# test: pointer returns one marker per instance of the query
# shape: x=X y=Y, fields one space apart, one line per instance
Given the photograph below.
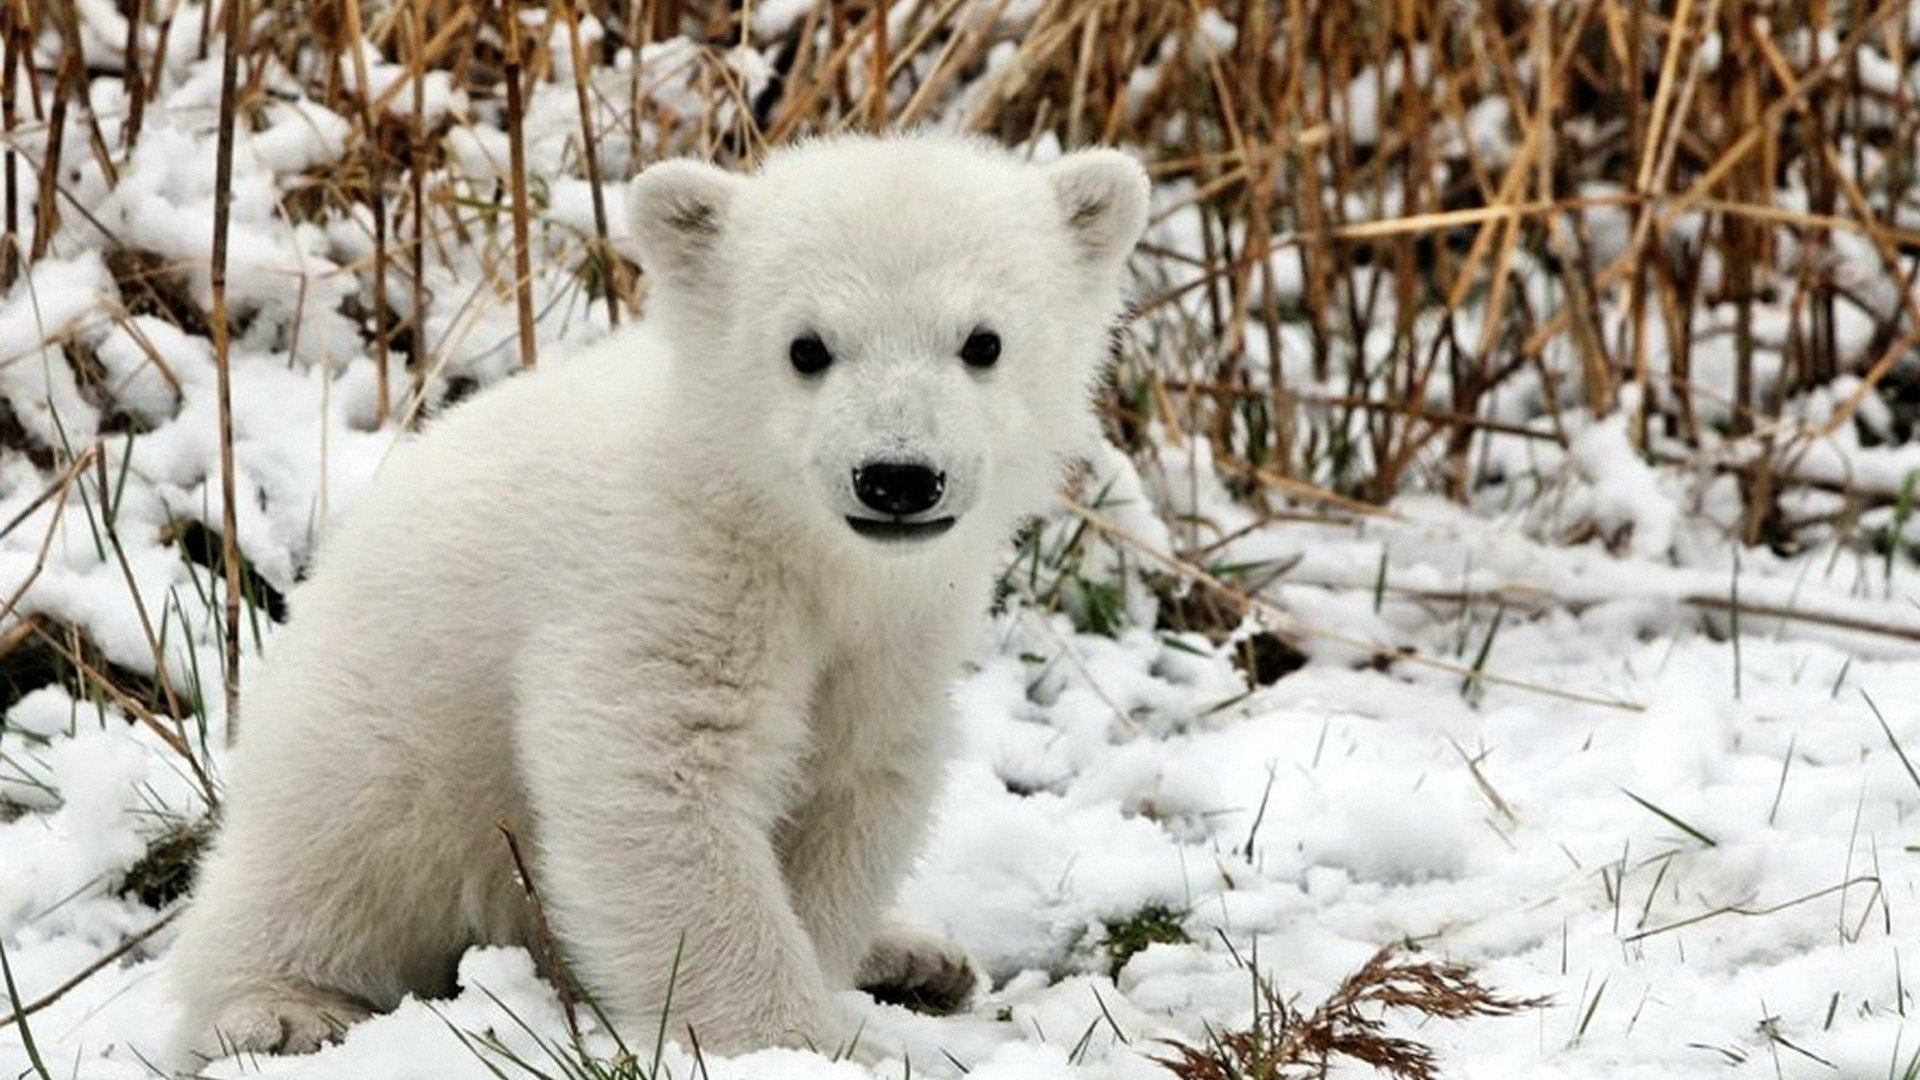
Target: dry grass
x=1282 y=1042
x=1406 y=211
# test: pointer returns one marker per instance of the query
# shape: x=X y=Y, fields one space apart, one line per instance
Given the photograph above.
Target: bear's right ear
x=1103 y=196
x=677 y=210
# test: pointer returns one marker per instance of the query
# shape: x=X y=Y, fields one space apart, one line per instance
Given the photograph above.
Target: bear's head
x=898 y=339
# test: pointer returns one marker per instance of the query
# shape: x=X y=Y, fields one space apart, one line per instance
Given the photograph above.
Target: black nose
x=899 y=489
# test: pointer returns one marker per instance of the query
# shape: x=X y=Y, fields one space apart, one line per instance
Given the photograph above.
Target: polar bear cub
x=682 y=612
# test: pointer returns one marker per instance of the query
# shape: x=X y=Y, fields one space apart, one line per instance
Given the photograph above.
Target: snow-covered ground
x=1718 y=866
x=1563 y=733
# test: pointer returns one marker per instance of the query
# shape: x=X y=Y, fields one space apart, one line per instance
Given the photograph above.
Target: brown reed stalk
x=876 y=107
x=517 y=178
x=232 y=46
x=375 y=157
x=10 y=18
x=417 y=177
x=66 y=84
x=130 y=74
x=590 y=150
x=150 y=86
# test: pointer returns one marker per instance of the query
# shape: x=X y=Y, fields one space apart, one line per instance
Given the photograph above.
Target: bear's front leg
x=878 y=757
x=846 y=852
x=654 y=814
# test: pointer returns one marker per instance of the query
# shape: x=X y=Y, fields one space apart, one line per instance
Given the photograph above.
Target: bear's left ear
x=1103 y=195
x=677 y=210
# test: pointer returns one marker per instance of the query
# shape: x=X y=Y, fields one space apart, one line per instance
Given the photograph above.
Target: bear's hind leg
x=320 y=903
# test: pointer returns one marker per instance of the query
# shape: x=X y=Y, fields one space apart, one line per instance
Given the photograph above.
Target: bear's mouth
x=893 y=530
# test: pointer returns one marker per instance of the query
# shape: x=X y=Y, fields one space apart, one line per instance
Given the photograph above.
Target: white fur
x=617 y=604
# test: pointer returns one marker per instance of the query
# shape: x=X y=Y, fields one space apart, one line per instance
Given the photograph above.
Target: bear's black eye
x=809 y=354
x=981 y=349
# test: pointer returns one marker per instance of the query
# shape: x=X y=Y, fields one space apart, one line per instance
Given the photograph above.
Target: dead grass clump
x=1284 y=1043
x=166 y=871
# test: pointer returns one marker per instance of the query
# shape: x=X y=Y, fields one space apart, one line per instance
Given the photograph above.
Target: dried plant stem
x=376 y=202
x=232 y=47
x=107 y=959
x=135 y=84
x=151 y=86
x=72 y=73
x=590 y=150
x=877 y=82
x=417 y=175
x=161 y=674
x=517 y=181
x=9 y=65
x=545 y=944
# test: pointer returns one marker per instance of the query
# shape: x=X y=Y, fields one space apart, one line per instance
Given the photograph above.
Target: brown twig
x=232 y=47
x=543 y=940
x=135 y=83
x=10 y=256
x=590 y=150
x=517 y=178
x=417 y=175
x=370 y=148
x=68 y=985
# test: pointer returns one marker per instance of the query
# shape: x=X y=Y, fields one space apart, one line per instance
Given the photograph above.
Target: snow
x=49 y=303
x=1623 y=490
x=1322 y=816
x=1529 y=732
